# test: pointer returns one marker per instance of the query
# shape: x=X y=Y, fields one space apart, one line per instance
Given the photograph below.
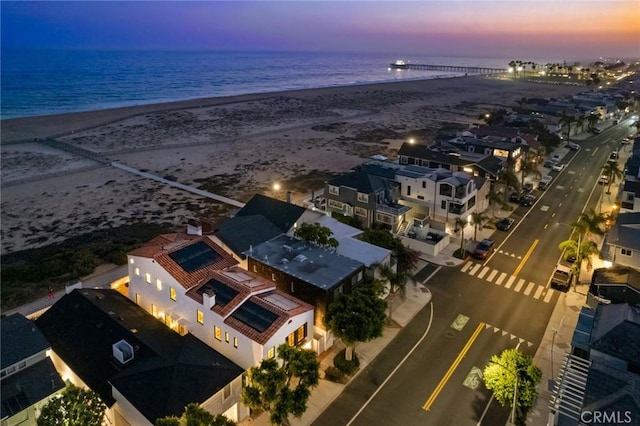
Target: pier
x=402 y=65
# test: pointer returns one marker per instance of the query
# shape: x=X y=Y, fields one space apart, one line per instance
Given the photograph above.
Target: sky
x=508 y=28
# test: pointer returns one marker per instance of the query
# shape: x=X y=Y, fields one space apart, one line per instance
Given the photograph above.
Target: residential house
x=622 y=244
x=371 y=199
x=28 y=378
x=139 y=367
x=308 y=272
x=629 y=196
x=616 y=284
x=192 y=286
x=599 y=380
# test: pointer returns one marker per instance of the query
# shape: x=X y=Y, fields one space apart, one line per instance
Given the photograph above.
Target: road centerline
x=452 y=368
x=525 y=258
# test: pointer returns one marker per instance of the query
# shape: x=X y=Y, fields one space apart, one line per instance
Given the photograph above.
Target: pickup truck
x=562 y=277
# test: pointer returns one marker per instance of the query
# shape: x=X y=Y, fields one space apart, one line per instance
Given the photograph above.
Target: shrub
x=347 y=367
x=334 y=375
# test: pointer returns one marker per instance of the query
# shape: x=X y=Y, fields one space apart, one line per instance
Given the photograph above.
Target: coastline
x=27 y=129
x=232 y=146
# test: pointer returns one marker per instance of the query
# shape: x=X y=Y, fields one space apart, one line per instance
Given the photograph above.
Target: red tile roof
x=160 y=247
x=283 y=316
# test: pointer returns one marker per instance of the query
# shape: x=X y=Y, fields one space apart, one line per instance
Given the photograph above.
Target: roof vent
x=122 y=351
x=287 y=248
x=300 y=258
x=284 y=261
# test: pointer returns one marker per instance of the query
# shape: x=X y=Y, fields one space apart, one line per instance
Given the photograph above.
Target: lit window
x=172 y=293
x=235 y=342
x=334 y=190
x=159 y=284
x=363 y=198
x=301 y=333
x=137 y=271
x=226 y=337
x=154 y=310
x=200 y=316
x=217 y=333
x=138 y=299
x=131 y=260
x=255 y=269
x=359 y=211
x=147 y=278
x=273 y=277
x=271 y=353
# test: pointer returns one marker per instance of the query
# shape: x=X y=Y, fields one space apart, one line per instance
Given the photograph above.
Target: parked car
x=527 y=187
x=613 y=156
x=604 y=180
x=562 y=278
x=555 y=158
x=574 y=146
x=505 y=224
x=558 y=167
x=595 y=130
x=528 y=200
x=542 y=185
x=548 y=164
x=483 y=249
x=515 y=197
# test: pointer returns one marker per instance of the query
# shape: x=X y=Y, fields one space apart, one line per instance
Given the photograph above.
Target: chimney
x=194 y=227
x=209 y=298
x=289 y=197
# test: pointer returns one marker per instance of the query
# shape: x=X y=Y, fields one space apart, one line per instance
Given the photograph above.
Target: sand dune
x=234 y=146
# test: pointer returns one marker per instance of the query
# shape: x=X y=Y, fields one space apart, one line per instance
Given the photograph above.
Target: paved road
x=501 y=311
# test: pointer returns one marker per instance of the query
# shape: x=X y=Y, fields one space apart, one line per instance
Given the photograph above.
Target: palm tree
x=509 y=179
x=567 y=119
x=586 y=250
x=397 y=283
x=613 y=172
x=494 y=198
x=477 y=220
x=591 y=222
x=592 y=119
x=460 y=224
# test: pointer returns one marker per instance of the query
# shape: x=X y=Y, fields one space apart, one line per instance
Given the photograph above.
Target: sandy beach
x=235 y=146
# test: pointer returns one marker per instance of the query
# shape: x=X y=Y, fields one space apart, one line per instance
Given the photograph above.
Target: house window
x=200 y=316
x=137 y=271
x=217 y=333
x=334 y=190
x=147 y=278
x=158 y=284
x=626 y=252
x=630 y=197
x=403 y=159
x=472 y=201
x=408 y=189
x=297 y=336
x=172 y=293
x=443 y=204
x=271 y=353
x=255 y=269
x=131 y=261
x=420 y=197
x=446 y=190
x=363 y=198
x=273 y=277
x=383 y=218
x=336 y=204
x=337 y=291
x=424 y=183
x=227 y=391
x=292 y=287
x=226 y=337
x=359 y=211
x=138 y=299
x=154 y=310
x=235 y=342
x=22 y=365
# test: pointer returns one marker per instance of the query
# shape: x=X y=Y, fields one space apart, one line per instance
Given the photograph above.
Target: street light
x=515 y=391
x=412 y=141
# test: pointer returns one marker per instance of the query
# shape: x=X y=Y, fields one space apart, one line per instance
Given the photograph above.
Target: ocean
x=44 y=82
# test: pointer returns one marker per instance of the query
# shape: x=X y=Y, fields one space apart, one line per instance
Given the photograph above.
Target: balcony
x=392 y=209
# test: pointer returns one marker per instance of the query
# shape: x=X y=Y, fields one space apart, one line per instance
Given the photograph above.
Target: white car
x=558 y=167
x=574 y=146
x=555 y=158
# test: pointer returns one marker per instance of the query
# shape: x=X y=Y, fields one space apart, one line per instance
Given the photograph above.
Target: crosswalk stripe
x=510 y=281
x=466 y=266
x=483 y=272
x=548 y=297
x=492 y=275
x=501 y=278
x=519 y=285
x=474 y=269
x=538 y=292
x=530 y=287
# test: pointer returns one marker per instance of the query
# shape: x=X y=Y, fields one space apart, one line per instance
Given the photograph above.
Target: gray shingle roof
x=626 y=232
x=167 y=371
x=280 y=213
x=20 y=339
x=241 y=232
x=616 y=331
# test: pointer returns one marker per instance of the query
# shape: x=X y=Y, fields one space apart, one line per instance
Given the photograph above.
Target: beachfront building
x=598 y=382
x=192 y=285
x=141 y=369
x=28 y=378
x=616 y=284
x=630 y=196
x=307 y=272
x=368 y=198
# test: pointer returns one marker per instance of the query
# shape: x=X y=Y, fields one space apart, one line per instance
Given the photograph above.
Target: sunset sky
x=522 y=29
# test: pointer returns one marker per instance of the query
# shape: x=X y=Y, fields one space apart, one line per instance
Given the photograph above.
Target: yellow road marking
x=594 y=151
x=447 y=376
x=526 y=257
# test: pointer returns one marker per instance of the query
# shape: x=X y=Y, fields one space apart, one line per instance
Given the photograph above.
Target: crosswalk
x=519 y=285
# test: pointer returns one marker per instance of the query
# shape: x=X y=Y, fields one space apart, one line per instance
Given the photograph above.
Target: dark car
x=504 y=224
x=548 y=164
x=483 y=249
x=527 y=187
x=528 y=200
x=515 y=197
